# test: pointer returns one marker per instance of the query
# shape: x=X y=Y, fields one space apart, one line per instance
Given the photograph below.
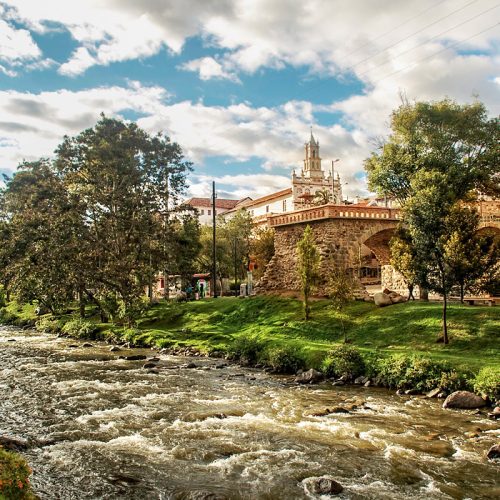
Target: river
x=104 y=427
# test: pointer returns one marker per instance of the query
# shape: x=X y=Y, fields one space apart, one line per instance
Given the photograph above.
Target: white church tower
x=312 y=180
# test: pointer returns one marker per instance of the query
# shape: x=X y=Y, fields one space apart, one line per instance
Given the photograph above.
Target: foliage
x=309 y=260
x=285 y=359
x=246 y=348
x=80 y=328
x=262 y=249
x=14 y=477
x=344 y=361
x=341 y=292
x=487 y=382
x=412 y=371
x=438 y=156
x=322 y=197
x=49 y=325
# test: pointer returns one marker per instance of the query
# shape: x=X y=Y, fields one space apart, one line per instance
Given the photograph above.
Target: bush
x=286 y=359
x=247 y=349
x=14 y=477
x=6 y=317
x=343 y=361
x=403 y=371
x=487 y=383
x=80 y=328
x=49 y=325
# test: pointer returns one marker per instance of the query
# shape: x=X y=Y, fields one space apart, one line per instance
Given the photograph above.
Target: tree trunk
x=424 y=294
x=307 y=309
x=81 y=302
x=462 y=292
x=410 y=292
x=445 y=325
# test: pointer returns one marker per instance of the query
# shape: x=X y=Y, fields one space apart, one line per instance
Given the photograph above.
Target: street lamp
x=333 y=180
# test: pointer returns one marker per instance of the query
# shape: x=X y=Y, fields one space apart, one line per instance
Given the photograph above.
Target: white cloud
x=80 y=61
x=16 y=46
x=208 y=68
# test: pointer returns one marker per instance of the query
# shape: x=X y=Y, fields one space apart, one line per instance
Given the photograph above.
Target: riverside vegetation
x=394 y=347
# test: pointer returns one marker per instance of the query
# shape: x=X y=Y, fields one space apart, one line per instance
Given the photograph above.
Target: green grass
x=410 y=328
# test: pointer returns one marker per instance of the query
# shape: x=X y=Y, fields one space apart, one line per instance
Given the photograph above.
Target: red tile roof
x=269 y=197
x=207 y=202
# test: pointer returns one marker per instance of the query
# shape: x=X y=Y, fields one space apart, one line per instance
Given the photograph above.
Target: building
x=204 y=207
x=309 y=188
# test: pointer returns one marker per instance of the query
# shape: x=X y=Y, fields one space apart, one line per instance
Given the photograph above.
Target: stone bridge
x=348 y=237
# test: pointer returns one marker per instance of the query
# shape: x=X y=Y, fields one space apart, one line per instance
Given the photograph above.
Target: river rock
x=464 y=399
x=87 y=344
x=495 y=414
x=190 y=365
x=361 y=380
x=434 y=393
x=204 y=495
x=493 y=452
x=381 y=299
x=135 y=357
x=311 y=376
x=114 y=348
x=324 y=485
x=149 y=365
x=368 y=383
x=73 y=346
x=13 y=443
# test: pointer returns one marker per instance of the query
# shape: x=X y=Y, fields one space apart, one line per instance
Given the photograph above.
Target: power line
x=351 y=68
x=429 y=39
x=438 y=52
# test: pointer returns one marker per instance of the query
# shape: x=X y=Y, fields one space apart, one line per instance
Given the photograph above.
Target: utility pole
x=235 y=269
x=334 y=198
x=214 y=261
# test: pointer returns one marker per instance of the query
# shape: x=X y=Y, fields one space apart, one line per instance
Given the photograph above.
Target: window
x=284 y=205
x=267 y=208
x=209 y=212
x=202 y=211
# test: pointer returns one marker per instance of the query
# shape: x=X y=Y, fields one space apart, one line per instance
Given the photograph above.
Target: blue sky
x=238 y=83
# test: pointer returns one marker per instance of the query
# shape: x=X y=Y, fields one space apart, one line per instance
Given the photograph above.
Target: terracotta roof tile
x=207 y=202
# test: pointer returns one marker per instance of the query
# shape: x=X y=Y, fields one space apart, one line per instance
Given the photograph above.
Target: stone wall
x=338 y=241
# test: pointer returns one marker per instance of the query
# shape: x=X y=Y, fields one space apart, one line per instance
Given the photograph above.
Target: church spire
x=312 y=160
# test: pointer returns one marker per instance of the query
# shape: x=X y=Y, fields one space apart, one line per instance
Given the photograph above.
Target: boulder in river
x=494 y=452
x=311 y=376
x=149 y=365
x=323 y=485
x=87 y=344
x=135 y=357
x=114 y=348
x=13 y=443
x=464 y=400
x=434 y=393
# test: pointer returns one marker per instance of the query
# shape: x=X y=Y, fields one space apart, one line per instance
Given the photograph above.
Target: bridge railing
x=333 y=212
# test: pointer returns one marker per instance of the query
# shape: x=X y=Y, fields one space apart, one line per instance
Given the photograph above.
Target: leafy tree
x=438 y=155
x=341 y=292
x=309 y=260
x=262 y=249
x=129 y=184
x=40 y=235
x=407 y=262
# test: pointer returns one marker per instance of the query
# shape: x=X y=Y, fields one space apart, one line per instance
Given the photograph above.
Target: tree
x=262 y=249
x=322 y=197
x=309 y=260
x=40 y=237
x=439 y=155
x=129 y=184
x=405 y=260
x=341 y=292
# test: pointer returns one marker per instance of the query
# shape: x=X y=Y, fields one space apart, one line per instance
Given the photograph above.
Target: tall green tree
x=438 y=156
x=129 y=184
x=341 y=287
x=309 y=260
x=40 y=234
x=262 y=249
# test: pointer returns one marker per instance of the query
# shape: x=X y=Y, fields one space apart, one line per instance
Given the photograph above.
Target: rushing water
x=104 y=427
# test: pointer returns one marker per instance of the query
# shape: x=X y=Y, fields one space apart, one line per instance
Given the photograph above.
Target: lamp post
x=334 y=198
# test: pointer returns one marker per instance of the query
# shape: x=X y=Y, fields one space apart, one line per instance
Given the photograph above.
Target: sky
x=239 y=83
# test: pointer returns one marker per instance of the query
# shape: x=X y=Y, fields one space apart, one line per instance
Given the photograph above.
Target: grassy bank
x=276 y=324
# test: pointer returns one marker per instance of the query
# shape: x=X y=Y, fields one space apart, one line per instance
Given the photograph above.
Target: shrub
x=14 y=477
x=247 y=349
x=49 y=325
x=403 y=371
x=487 y=383
x=6 y=317
x=343 y=361
x=286 y=359
x=80 y=328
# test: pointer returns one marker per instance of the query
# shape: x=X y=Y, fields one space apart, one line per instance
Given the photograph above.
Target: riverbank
x=269 y=331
